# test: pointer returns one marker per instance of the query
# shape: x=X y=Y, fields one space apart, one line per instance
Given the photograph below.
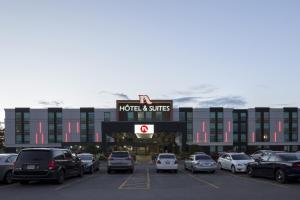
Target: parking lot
x=145 y=183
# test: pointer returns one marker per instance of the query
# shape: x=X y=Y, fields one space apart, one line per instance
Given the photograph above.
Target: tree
x=1 y=136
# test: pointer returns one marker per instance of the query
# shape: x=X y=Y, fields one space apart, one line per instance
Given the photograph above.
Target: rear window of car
x=240 y=157
x=166 y=157
x=85 y=157
x=120 y=154
x=203 y=157
x=288 y=157
x=34 y=155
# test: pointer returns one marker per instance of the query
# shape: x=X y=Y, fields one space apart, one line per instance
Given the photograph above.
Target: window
x=148 y=116
x=106 y=116
x=130 y=116
x=182 y=116
x=140 y=116
x=68 y=155
x=189 y=116
x=159 y=116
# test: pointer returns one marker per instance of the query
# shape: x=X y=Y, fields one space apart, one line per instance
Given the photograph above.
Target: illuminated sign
x=144 y=131
x=144 y=104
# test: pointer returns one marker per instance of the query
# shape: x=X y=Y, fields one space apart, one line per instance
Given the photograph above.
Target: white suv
x=166 y=161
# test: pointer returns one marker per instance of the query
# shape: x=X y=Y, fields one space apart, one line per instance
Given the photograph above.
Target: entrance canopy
x=161 y=128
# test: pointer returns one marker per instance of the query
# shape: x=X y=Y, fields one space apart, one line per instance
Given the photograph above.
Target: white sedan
x=236 y=162
x=166 y=162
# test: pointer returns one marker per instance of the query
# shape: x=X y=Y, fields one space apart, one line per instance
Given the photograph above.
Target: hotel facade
x=147 y=127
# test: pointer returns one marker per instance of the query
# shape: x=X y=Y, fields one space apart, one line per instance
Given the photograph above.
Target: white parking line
x=201 y=180
x=74 y=182
x=136 y=182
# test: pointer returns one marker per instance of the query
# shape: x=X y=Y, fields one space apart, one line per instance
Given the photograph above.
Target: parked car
x=166 y=162
x=38 y=164
x=259 y=154
x=6 y=167
x=90 y=163
x=120 y=160
x=236 y=162
x=200 y=162
x=280 y=166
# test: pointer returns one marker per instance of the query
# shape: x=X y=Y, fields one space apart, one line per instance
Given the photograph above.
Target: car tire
x=81 y=172
x=250 y=172
x=131 y=171
x=157 y=171
x=193 y=170
x=212 y=172
x=8 y=177
x=233 y=170
x=280 y=176
x=176 y=171
x=220 y=166
x=92 y=170
x=108 y=171
x=60 y=177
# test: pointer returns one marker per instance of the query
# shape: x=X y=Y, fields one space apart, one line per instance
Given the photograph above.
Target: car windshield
x=85 y=157
x=120 y=154
x=289 y=157
x=240 y=157
x=166 y=157
x=203 y=157
x=34 y=155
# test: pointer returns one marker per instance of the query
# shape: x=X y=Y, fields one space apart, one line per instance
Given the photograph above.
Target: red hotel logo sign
x=144 y=128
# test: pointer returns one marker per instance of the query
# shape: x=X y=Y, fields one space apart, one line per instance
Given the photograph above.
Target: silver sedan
x=200 y=162
x=6 y=167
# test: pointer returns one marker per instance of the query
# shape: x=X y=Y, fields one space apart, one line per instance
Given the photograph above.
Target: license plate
x=30 y=167
x=167 y=163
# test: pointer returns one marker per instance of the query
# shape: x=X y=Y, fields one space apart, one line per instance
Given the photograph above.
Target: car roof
x=85 y=154
x=8 y=154
x=44 y=149
x=235 y=153
x=166 y=154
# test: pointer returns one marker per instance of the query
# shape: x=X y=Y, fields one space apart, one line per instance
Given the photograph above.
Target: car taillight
x=52 y=164
x=296 y=165
x=158 y=162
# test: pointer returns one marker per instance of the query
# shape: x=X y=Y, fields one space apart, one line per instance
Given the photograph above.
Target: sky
x=70 y=54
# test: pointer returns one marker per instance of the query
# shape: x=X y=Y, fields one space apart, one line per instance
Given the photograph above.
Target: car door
x=69 y=164
x=270 y=165
x=227 y=162
x=262 y=166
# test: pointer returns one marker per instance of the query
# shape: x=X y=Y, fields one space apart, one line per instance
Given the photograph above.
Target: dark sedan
x=90 y=163
x=279 y=166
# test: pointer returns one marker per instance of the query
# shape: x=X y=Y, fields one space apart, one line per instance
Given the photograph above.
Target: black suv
x=38 y=164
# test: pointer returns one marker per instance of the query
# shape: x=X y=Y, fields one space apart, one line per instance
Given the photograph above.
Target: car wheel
x=131 y=171
x=280 y=176
x=92 y=170
x=108 y=171
x=60 y=177
x=213 y=171
x=220 y=166
x=157 y=171
x=250 y=172
x=8 y=177
x=193 y=170
x=175 y=171
x=81 y=171
x=233 y=169
x=185 y=168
